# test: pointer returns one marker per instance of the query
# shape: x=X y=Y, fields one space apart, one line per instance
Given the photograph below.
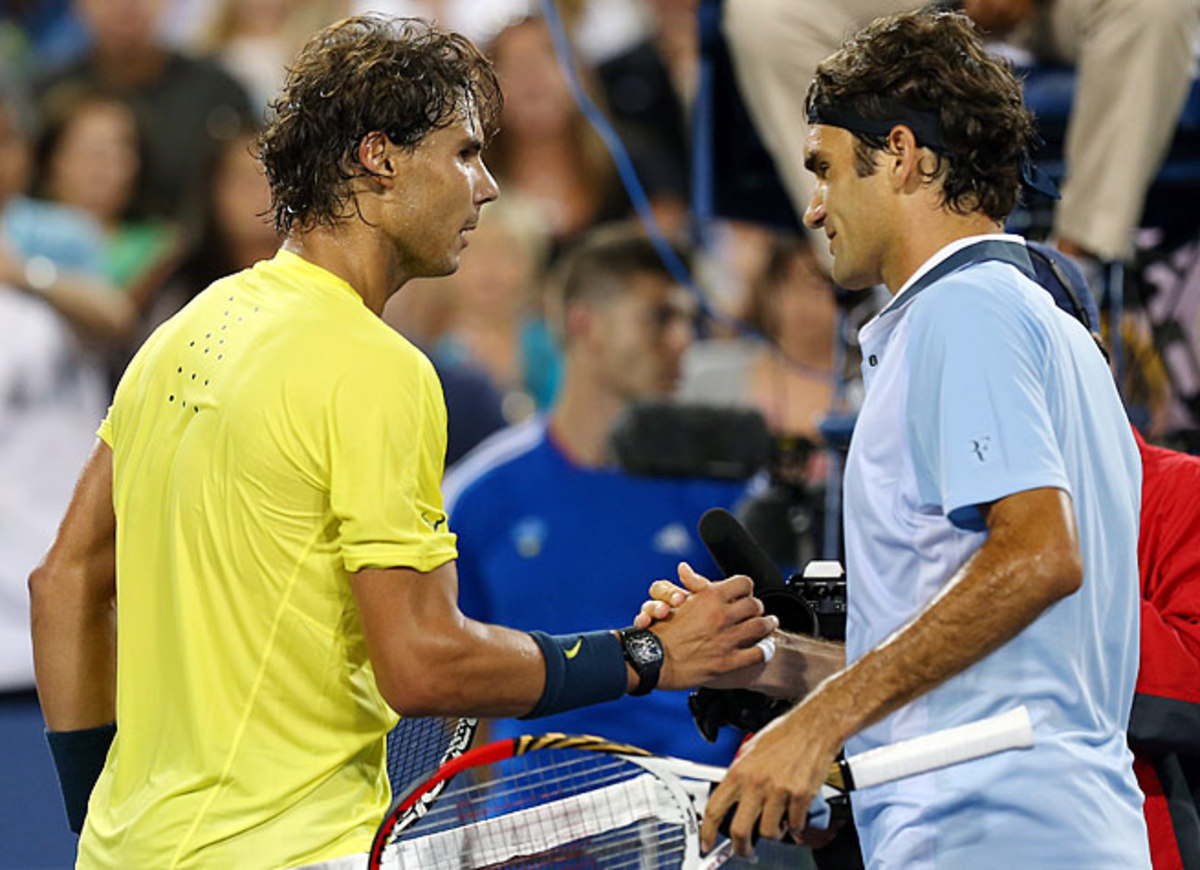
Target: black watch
x=644 y=652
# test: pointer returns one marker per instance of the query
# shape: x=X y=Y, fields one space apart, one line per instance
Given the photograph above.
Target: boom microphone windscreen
x=735 y=551
x=668 y=439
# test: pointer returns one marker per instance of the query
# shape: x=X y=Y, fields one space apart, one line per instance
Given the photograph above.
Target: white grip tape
x=1011 y=730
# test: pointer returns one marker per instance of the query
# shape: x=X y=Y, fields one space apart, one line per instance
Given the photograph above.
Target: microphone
x=736 y=552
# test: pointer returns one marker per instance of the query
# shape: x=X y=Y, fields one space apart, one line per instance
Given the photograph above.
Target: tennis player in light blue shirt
x=991 y=491
x=999 y=392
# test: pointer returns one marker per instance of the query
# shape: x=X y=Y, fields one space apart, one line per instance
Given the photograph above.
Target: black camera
x=822 y=586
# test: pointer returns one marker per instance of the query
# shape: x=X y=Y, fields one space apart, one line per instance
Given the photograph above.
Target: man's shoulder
x=499 y=457
x=976 y=302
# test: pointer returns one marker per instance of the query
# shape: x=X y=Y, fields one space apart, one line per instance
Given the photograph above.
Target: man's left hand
x=775 y=778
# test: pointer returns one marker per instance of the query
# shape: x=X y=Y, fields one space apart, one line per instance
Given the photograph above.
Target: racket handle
x=1011 y=730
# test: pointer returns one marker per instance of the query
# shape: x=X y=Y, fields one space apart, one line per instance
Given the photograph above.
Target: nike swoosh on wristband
x=574 y=651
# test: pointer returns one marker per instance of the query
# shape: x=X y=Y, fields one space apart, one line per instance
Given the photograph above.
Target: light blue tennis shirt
x=979 y=387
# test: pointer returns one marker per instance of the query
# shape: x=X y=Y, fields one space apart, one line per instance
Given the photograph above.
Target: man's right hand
x=712 y=632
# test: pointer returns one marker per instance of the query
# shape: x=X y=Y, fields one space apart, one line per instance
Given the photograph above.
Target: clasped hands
x=780 y=770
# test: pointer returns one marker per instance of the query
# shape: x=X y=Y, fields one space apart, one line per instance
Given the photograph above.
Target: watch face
x=643 y=646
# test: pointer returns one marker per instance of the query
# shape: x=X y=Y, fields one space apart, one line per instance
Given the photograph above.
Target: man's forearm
x=73 y=607
x=74 y=652
x=799 y=665
x=1029 y=561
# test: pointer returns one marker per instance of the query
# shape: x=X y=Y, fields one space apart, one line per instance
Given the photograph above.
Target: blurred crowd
x=128 y=182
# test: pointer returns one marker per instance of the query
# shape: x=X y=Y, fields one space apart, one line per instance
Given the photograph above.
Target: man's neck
x=582 y=420
x=928 y=236
x=360 y=258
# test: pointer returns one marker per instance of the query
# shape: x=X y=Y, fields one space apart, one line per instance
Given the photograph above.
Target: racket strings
x=418 y=745
x=579 y=809
x=524 y=786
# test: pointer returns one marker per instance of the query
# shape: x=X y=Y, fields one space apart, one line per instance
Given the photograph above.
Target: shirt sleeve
x=105 y=431
x=977 y=410
x=387 y=447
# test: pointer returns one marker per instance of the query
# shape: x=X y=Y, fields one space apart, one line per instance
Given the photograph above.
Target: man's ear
x=903 y=156
x=378 y=156
x=577 y=319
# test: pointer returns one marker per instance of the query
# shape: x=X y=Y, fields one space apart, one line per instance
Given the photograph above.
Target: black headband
x=924 y=125
x=925 y=128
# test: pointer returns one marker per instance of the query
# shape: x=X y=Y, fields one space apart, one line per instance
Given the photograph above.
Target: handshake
x=807 y=607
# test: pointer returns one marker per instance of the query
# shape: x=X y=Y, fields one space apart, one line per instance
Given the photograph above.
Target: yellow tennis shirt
x=268 y=439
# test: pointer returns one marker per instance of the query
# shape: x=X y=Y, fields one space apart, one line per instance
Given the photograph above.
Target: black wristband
x=581 y=669
x=78 y=758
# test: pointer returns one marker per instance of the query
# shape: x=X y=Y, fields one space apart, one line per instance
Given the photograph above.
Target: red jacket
x=1164 y=729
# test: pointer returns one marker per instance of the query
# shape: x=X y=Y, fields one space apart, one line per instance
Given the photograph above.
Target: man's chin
x=441 y=270
x=851 y=281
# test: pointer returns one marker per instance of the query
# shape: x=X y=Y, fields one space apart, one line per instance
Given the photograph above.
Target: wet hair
x=934 y=65
x=401 y=76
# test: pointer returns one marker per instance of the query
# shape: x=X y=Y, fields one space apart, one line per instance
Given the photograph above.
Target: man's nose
x=487 y=190
x=814 y=215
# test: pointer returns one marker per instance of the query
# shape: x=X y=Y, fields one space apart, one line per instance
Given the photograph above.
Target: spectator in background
x=422 y=313
x=1164 y=726
x=255 y=40
x=236 y=231
x=545 y=149
x=90 y=156
x=186 y=105
x=496 y=319
x=646 y=87
x=786 y=371
x=1133 y=59
x=56 y=313
x=549 y=531
x=789 y=377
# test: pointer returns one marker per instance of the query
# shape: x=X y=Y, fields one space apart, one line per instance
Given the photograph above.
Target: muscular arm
x=1030 y=560
x=73 y=607
x=430 y=659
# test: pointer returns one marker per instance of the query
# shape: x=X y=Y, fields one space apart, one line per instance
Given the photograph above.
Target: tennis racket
x=419 y=745
x=565 y=801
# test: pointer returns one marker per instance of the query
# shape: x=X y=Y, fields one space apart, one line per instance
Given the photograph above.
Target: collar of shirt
x=876 y=333
x=903 y=297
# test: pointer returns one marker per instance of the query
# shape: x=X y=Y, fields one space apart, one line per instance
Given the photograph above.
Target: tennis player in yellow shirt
x=255 y=574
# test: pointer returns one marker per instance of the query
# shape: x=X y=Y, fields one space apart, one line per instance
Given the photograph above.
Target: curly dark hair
x=401 y=76
x=934 y=62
